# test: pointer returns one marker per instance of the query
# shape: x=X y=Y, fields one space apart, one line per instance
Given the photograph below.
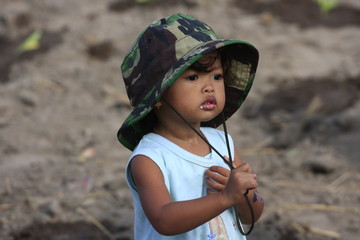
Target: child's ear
x=158 y=105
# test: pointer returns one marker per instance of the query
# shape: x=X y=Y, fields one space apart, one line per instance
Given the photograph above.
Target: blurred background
x=62 y=100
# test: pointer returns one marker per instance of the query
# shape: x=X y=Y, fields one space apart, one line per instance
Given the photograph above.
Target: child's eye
x=218 y=77
x=192 y=77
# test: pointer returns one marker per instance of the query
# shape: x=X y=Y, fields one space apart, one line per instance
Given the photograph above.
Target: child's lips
x=209 y=104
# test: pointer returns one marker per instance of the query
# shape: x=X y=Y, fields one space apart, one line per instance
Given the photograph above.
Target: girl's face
x=199 y=96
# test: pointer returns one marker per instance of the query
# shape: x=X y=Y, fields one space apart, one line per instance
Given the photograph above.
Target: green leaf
x=327 y=5
x=31 y=43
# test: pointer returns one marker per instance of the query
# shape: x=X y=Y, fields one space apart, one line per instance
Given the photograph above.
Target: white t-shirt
x=184 y=175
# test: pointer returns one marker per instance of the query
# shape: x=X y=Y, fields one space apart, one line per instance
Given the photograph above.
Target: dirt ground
x=62 y=169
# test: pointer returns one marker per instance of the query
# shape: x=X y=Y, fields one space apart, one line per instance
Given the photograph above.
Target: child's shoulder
x=150 y=140
x=150 y=145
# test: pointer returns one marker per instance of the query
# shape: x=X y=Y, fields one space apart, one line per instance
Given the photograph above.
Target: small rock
x=52 y=208
x=323 y=164
x=28 y=98
x=101 y=51
x=23 y=20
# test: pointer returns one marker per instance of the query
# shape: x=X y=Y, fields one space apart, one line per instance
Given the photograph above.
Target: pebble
x=323 y=164
x=28 y=98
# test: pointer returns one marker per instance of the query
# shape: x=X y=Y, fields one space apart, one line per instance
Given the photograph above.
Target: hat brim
x=244 y=58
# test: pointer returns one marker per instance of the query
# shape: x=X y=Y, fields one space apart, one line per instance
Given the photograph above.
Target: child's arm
x=217 y=179
x=170 y=218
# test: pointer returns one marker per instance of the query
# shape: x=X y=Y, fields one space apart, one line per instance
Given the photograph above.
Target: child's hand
x=240 y=181
x=217 y=178
x=234 y=183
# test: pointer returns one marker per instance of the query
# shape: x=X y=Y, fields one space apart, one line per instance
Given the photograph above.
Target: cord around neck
x=228 y=162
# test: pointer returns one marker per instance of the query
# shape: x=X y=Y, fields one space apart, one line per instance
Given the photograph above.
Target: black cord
x=245 y=194
x=227 y=162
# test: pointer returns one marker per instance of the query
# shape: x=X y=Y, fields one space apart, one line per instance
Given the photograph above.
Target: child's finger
x=217 y=177
x=240 y=182
x=220 y=170
x=248 y=180
x=245 y=167
x=214 y=185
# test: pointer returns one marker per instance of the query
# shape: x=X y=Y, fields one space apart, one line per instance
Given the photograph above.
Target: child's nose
x=208 y=88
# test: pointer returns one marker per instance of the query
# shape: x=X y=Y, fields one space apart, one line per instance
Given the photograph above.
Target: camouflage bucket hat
x=162 y=52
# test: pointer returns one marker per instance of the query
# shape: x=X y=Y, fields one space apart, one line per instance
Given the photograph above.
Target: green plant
x=32 y=42
x=326 y=5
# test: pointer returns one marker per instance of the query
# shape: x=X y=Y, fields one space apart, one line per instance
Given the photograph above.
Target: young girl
x=183 y=81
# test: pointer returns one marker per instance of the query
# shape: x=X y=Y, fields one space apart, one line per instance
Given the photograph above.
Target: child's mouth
x=209 y=104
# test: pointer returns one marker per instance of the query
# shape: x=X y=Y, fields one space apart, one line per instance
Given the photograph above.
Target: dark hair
x=204 y=66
